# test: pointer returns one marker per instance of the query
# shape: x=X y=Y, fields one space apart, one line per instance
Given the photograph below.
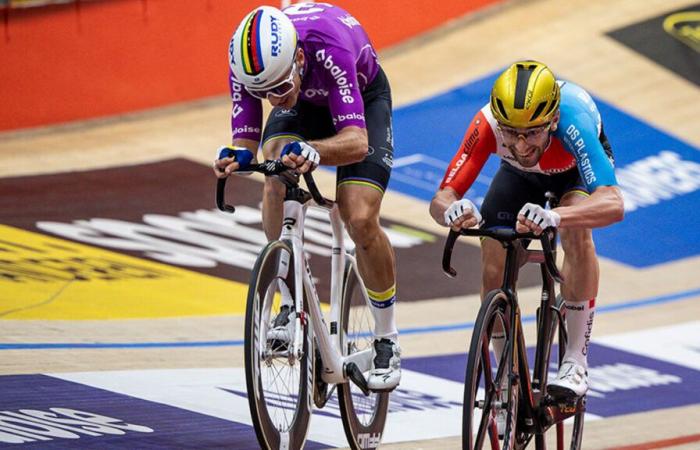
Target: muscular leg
x=581 y=275
x=493 y=259
x=273 y=192
x=359 y=209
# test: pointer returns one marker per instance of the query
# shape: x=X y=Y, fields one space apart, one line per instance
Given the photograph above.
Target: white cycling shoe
x=571 y=381
x=385 y=374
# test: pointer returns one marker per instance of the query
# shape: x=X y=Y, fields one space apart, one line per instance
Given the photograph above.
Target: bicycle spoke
x=486 y=419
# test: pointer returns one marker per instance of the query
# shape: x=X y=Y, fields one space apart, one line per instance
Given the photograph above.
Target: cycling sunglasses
x=529 y=134
x=281 y=89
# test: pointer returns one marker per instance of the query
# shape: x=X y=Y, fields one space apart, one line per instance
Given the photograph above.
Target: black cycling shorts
x=511 y=188
x=308 y=122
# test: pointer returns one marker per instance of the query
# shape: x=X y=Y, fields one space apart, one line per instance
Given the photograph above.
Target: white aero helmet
x=262 y=48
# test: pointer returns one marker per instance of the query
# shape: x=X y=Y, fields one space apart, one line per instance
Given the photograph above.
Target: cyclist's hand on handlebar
x=462 y=214
x=534 y=218
x=231 y=159
x=300 y=156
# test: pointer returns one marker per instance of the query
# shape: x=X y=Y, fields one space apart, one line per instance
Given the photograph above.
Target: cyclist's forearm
x=349 y=146
x=605 y=206
x=441 y=201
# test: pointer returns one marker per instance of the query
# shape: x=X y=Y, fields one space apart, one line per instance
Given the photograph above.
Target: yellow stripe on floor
x=46 y=278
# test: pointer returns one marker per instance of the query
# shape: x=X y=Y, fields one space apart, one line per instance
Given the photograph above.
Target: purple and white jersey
x=339 y=64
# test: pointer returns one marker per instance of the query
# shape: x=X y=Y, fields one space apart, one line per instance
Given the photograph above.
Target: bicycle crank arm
x=355 y=374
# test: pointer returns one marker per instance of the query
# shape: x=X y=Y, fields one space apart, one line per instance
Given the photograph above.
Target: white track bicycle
x=285 y=377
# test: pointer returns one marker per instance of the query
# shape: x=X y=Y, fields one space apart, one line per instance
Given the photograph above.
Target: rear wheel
x=363 y=416
x=489 y=395
x=278 y=381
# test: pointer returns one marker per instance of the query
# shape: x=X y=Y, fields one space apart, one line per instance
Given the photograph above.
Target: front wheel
x=490 y=395
x=278 y=381
x=363 y=416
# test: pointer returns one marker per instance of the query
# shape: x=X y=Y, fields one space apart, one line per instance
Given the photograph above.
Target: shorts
x=308 y=122
x=511 y=188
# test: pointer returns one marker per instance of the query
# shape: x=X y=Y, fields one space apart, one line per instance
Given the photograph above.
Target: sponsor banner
x=629 y=373
x=671 y=39
x=675 y=344
x=169 y=219
x=221 y=393
x=42 y=277
x=659 y=174
x=39 y=410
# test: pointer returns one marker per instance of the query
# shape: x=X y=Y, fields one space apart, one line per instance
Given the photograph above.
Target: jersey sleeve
x=478 y=143
x=579 y=133
x=246 y=112
x=344 y=97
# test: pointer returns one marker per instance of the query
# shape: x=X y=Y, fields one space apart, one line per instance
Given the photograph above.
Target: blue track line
x=633 y=304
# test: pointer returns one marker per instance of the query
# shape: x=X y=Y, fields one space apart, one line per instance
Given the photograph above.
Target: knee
x=363 y=227
x=577 y=242
x=492 y=273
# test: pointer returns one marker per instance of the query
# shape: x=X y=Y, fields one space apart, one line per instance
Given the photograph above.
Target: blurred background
x=122 y=289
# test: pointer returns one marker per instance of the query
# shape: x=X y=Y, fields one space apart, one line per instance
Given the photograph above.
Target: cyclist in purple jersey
x=314 y=63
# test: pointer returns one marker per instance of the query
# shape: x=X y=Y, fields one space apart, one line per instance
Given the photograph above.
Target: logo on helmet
x=231 y=57
x=276 y=41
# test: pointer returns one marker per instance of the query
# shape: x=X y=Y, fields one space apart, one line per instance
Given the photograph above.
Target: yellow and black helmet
x=525 y=95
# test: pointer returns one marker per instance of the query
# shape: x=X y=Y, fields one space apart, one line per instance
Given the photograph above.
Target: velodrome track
x=153 y=333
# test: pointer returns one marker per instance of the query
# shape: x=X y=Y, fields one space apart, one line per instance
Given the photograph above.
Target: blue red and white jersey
x=574 y=144
x=339 y=64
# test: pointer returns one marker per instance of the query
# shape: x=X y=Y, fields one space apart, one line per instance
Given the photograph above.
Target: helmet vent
x=539 y=109
x=551 y=107
x=501 y=109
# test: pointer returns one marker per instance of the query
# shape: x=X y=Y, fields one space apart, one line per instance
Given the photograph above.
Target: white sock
x=383 y=313
x=579 y=322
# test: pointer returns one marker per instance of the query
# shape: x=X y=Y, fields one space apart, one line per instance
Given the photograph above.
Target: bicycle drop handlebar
x=504 y=235
x=271 y=168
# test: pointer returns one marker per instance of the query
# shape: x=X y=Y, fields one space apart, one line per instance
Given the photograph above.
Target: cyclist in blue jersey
x=549 y=135
x=314 y=63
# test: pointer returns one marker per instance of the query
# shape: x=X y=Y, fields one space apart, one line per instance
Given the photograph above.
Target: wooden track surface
x=567 y=35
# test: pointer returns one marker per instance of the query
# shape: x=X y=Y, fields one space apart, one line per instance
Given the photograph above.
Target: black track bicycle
x=505 y=390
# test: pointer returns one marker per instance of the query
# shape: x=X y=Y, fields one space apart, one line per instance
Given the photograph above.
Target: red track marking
x=673 y=442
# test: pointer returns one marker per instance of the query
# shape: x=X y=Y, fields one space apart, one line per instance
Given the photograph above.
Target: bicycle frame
x=337 y=367
x=316 y=356
x=329 y=338
x=539 y=411
x=531 y=388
